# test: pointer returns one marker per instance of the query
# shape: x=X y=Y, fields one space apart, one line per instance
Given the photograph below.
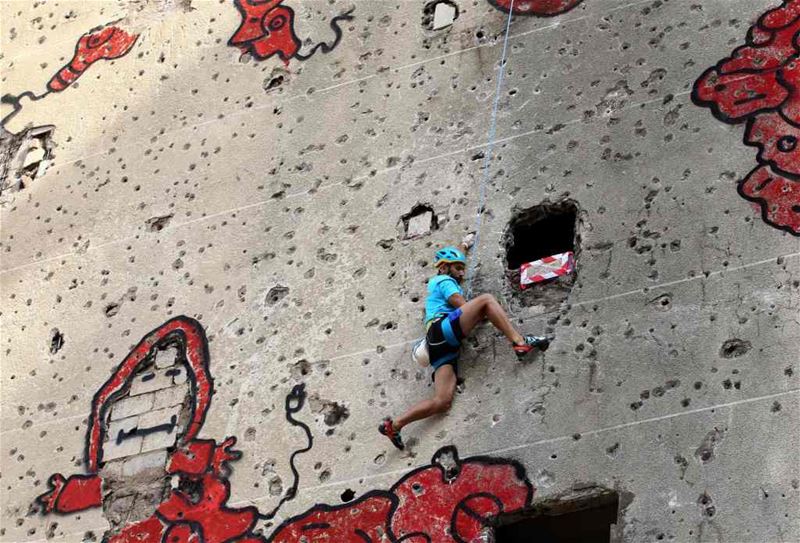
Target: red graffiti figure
x=267 y=29
x=108 y=43
x=539 y=8
x=450 y=501
x=759 y=84
x=199 y=464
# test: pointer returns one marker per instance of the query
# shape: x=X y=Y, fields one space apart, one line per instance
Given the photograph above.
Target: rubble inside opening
x=536 y=232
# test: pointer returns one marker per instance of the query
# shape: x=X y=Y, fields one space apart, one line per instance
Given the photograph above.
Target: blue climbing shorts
x=444 y=340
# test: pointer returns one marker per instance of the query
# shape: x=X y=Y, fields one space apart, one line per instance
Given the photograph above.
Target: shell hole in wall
x=420 y=221
x=591 y=517
x=30 y=154
x=535 y=233
x=439 y=14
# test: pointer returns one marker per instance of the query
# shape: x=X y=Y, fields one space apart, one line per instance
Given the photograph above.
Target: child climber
x=449 y=318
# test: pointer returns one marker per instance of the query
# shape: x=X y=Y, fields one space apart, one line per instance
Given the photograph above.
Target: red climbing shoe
x=531 y=343
x=387 y=429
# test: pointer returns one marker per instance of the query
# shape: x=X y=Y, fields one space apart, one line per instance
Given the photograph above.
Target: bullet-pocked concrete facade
x=218 y=221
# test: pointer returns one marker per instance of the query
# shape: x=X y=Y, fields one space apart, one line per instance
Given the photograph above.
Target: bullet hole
x=156 y=224
x=25 y=157
x=707 y=505
x=56 y=340
x=348 y=495
x=272 y=83
x=662 y=303
x=439 y=14
x=705 y=452
x=276 y=294
x=420 y=221
x=386 y=244
x=275 y=486
x=111 y=309
x=581 y=514
x=300 y=369
x=335 y=413
x=734 y=348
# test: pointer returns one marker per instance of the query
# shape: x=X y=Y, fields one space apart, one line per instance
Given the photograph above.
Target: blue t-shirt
x=440 y=288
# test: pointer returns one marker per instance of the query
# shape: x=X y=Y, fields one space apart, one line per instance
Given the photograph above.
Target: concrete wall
x=208 y=244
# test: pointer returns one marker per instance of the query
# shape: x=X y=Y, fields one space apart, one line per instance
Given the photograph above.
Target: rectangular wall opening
x=541 y=231
x=587 y=518
x=541 y=245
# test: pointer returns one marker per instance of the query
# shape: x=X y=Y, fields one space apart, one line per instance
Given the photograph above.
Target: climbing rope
x=487 y=158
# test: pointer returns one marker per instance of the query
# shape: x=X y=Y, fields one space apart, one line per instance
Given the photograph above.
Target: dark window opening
x=589 y=517
x=541 y=231
x=421 y=220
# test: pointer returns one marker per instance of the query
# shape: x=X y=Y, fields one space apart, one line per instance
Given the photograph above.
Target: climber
x=450 y=318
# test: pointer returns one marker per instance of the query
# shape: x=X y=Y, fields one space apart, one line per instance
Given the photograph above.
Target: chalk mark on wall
x=267 y=29
x=102 y=43
x=538 y=8
x=759 y=85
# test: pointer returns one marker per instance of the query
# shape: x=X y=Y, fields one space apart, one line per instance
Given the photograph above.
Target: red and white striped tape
x=546 y=268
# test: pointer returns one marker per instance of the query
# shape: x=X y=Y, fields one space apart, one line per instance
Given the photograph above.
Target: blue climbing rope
x=487 y=158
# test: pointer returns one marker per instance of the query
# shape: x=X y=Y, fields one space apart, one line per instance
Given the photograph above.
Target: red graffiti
x=539 y=8
x=108 y=43
x=267 y=29
x=449 y=501
x=196 y=510
x=759 y=84
x=363 y=520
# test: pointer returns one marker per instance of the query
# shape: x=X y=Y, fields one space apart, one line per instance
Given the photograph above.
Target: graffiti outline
x=758 y=85
x=397 y=505
x=267 y=29
x=200 y=463
x=106 y=42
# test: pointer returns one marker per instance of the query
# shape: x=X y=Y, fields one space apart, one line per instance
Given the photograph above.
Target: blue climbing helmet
x=448 y=255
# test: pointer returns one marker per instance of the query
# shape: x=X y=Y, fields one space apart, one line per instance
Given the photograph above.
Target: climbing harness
x=487 y=158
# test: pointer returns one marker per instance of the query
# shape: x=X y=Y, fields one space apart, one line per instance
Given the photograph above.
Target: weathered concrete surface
x=265 y=200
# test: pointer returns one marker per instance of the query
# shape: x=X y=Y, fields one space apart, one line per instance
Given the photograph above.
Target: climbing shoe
x=387 y=429
x=531 y=343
